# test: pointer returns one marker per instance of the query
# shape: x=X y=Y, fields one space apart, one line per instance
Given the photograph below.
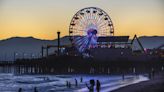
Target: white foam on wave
x=49 y=83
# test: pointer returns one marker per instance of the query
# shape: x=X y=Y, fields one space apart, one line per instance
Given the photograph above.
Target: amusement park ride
x=91 y=33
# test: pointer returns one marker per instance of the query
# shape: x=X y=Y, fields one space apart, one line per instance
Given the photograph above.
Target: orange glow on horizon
x=42 y=20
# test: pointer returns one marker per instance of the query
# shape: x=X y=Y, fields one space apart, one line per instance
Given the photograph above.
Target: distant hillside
x=30 y=45
x=150 y=42
x=26 y=45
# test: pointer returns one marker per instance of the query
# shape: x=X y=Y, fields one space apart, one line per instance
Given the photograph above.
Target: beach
x=57 y=83
x=155 y=84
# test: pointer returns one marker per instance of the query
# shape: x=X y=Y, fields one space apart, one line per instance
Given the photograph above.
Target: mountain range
x=29 y=47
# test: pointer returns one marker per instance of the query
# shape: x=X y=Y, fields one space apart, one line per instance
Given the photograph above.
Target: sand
x=155 y=84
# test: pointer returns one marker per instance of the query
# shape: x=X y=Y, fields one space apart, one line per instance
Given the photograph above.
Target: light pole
x=42 y=51
x=58 y=43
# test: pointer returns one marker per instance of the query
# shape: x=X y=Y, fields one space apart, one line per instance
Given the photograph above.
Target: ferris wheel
x=87 y=25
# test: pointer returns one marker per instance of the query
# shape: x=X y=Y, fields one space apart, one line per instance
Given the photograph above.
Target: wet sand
x=155 y=84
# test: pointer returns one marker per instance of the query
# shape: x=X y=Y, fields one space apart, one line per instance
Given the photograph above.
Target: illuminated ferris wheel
x=87 y=25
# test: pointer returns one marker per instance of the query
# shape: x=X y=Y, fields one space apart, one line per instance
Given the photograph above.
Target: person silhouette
x=35 y=89
x=81 y=79
x=67 y=84
x=153 y=73
x=123 y=76
x=20 y=90
x=91 y=87
x=98 y=86
x=76 y=83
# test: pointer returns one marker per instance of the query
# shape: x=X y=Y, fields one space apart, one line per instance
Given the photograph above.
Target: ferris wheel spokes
x=87 y=25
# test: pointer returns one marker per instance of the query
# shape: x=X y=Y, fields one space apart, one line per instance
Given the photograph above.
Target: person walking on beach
x=149 y=75
x=81 y=79
x=123 y=76
x=20 y=90
x=98 y=86
x=67 y=84
x=91 y=87
x=35 y=89
x=76 y=83
x=153 y=73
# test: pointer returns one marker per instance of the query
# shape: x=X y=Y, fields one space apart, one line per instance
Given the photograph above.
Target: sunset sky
x=43 y=18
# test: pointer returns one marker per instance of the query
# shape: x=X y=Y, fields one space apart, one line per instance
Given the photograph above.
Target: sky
x=43 y=18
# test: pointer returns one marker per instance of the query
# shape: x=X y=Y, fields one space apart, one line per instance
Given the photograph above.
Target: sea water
x=57 y=83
